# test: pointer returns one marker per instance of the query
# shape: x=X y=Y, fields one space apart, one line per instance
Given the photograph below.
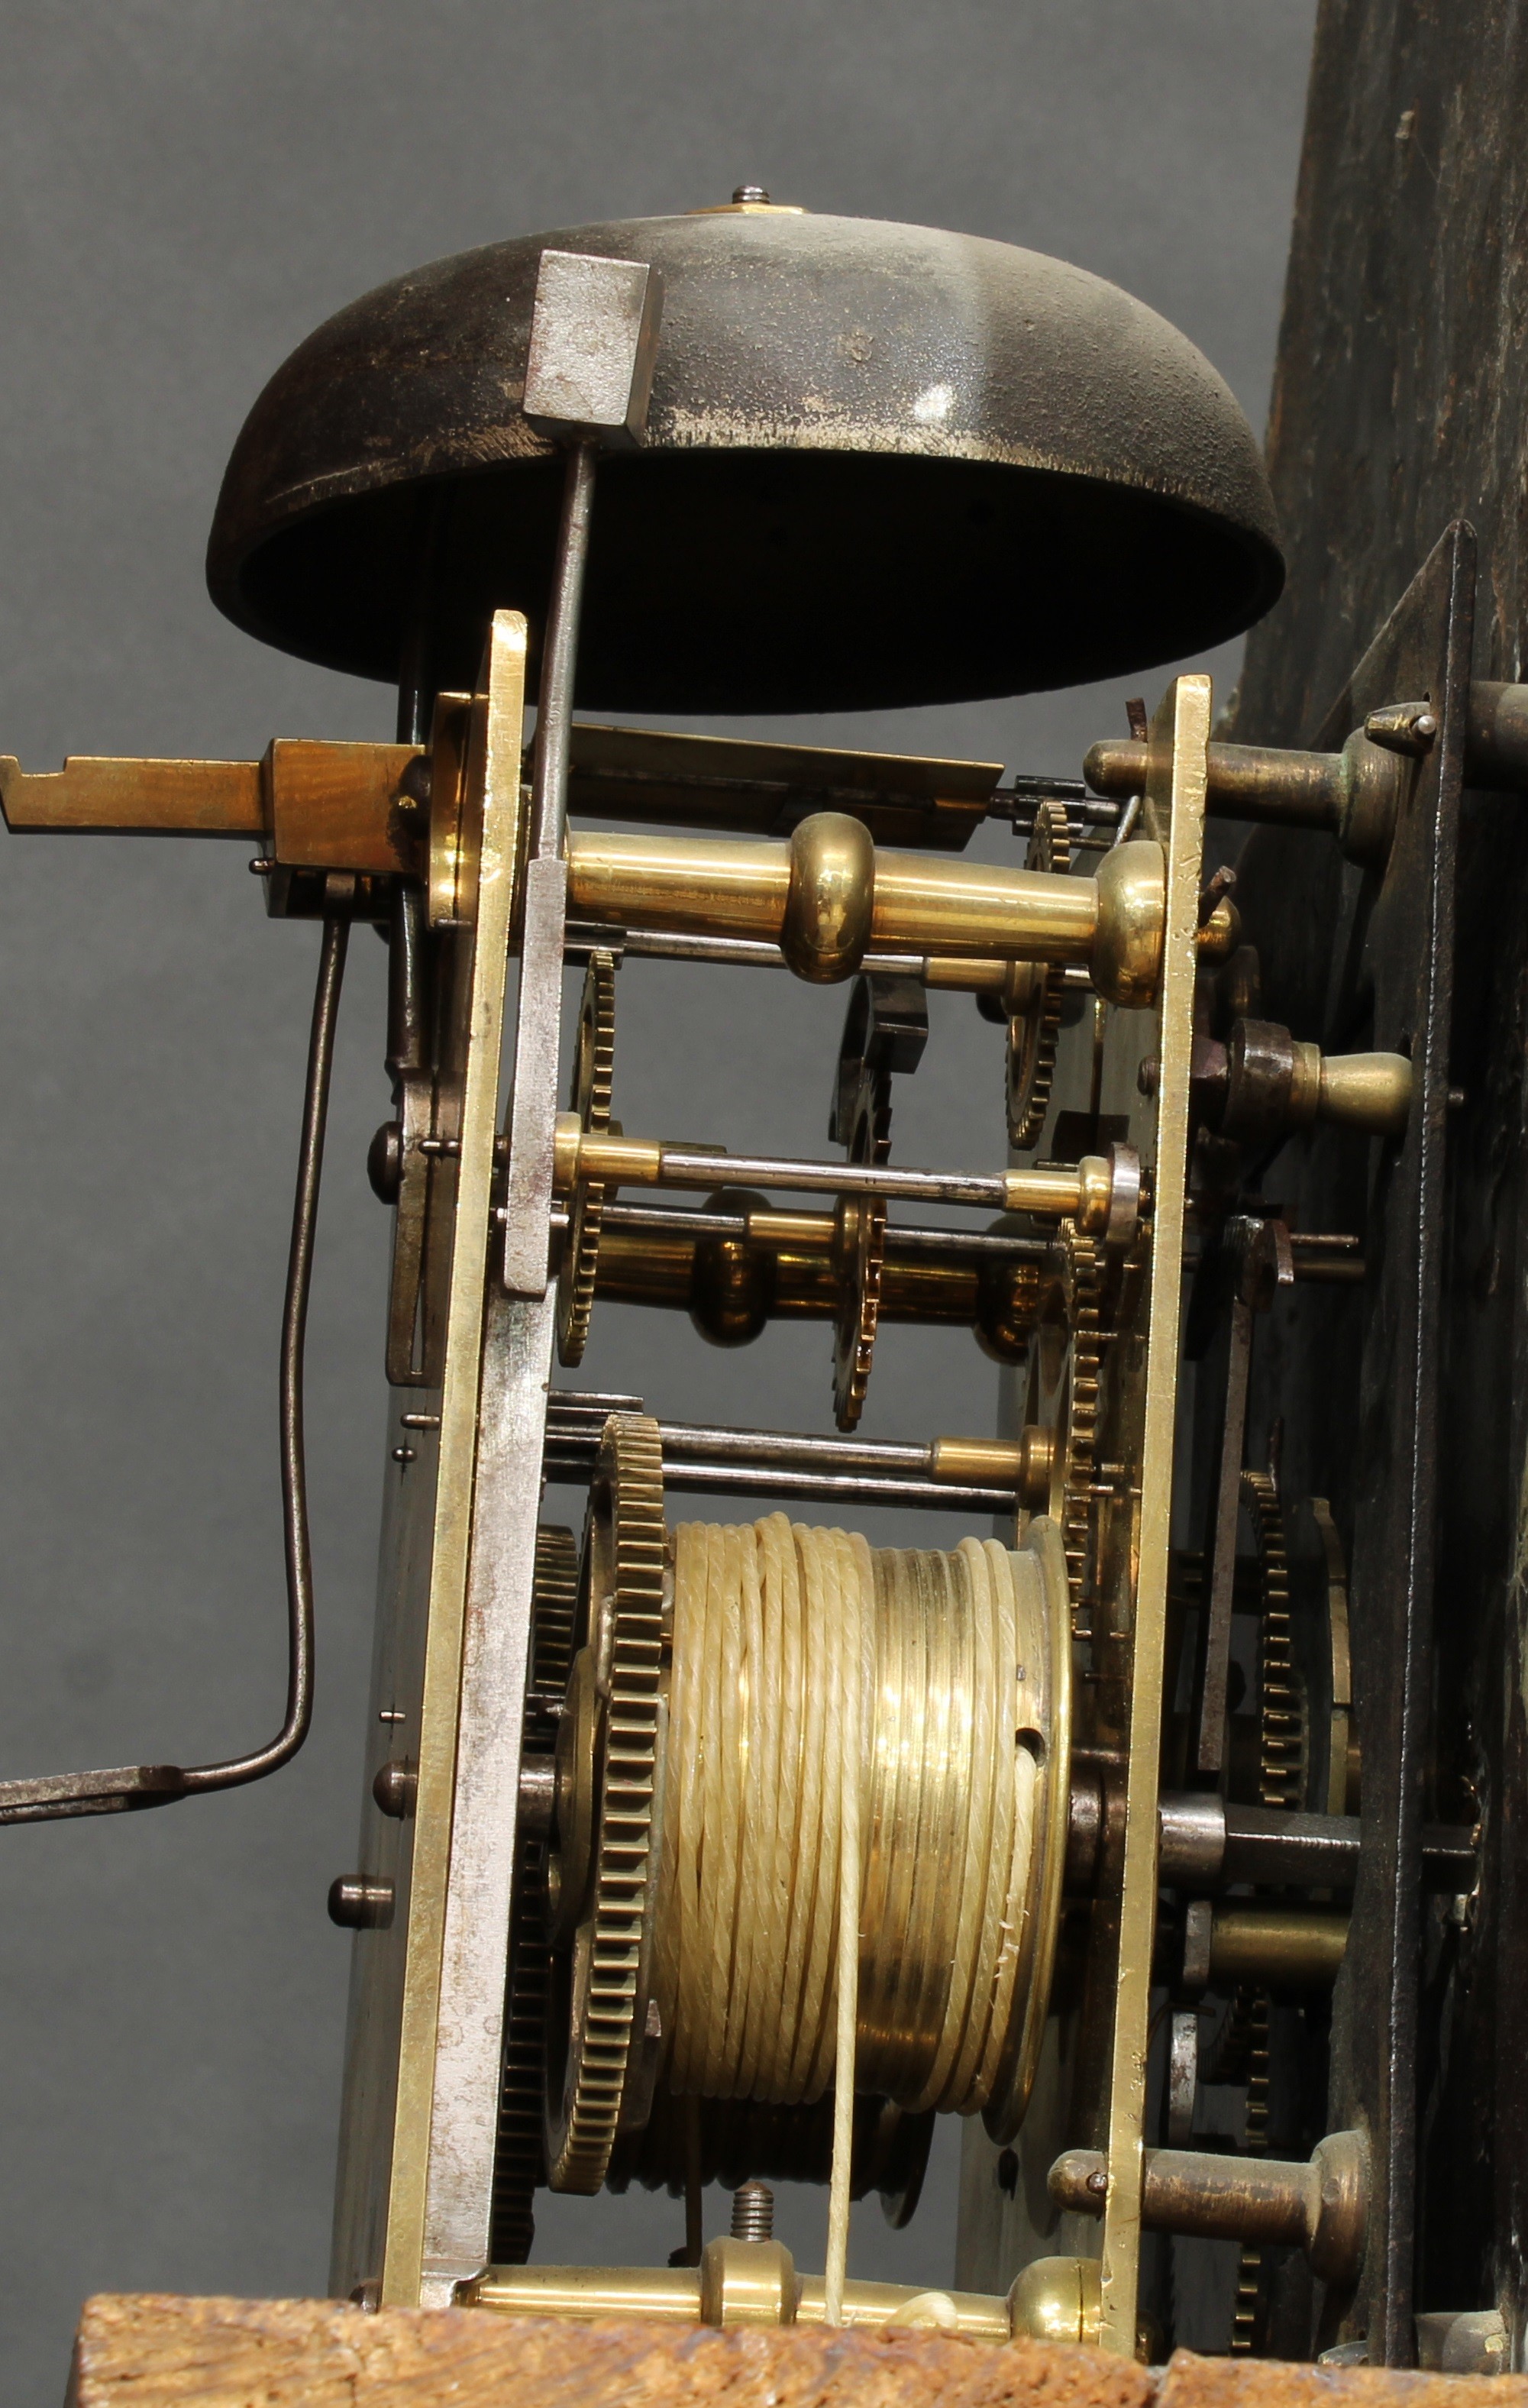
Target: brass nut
x=1126 y=959
x=1057 y=2299
x=746 y=2283
x=826 y=932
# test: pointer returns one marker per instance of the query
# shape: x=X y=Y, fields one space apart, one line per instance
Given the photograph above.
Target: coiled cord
x=792 y=1647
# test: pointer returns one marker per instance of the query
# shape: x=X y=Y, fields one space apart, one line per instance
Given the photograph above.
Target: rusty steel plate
x=884 y=465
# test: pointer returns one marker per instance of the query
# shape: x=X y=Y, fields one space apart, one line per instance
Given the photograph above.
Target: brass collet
x=831 y=894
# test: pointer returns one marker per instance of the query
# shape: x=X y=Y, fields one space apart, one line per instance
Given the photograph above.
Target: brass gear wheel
x=1037 y=993
x=520 y=2161
x=1081 y=1288
x=1282 y=1718
x=589 y=1096
x=1281 y=1770
x=598 y=1995
x=860 y=1261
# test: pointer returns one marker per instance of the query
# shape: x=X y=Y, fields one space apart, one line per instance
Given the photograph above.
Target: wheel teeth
x=520 y=2154
x=849 y=1394
x=600 y=2049
x=595 y=1068
x=1251 y=2269
x=1282 y=1743
x=1032 y=1061
x=1282 y=1733
x=1029 y=1092
x=1050 y=838
x=869 y=1140
x=577 y=1299
x=1083 y=1277
x=593 y=1073
x=554 y=1600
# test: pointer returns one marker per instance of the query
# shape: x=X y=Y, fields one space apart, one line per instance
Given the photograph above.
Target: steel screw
x=357 y=1904
x=756 y=193
x=753 y=2211
x=396 y=1787
x=384 y=1163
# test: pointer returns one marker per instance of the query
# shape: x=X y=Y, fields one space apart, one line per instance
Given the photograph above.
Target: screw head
x=384 y=1163
x=751 y=193
x=357 y=1904
x=395 y=1788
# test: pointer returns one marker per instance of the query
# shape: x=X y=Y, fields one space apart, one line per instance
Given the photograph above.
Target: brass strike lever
x=314 y=806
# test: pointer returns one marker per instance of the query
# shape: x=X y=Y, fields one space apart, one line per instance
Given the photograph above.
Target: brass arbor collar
x=1023 y=1464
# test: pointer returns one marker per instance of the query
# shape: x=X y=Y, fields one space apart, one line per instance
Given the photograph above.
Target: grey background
x=185 y=188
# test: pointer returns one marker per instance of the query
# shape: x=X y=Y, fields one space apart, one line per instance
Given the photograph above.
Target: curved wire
x=294 y=1517
x=54 y=1797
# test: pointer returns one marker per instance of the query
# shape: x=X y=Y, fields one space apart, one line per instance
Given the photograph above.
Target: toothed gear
x=1083 y=1281
x=593 y=1067
x=863 y=1255
x=860 y=1254
x=1281 y=1767
x=1049 y=838
x=1249 y=2306
x=1033 y=1030
x=553 y=1610
x=520 y=2161
x=1283 y=1711
x=1066 y=1358
x=623 y=1577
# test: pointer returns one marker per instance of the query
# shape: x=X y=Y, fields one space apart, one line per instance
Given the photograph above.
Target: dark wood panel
x=1401 y=402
